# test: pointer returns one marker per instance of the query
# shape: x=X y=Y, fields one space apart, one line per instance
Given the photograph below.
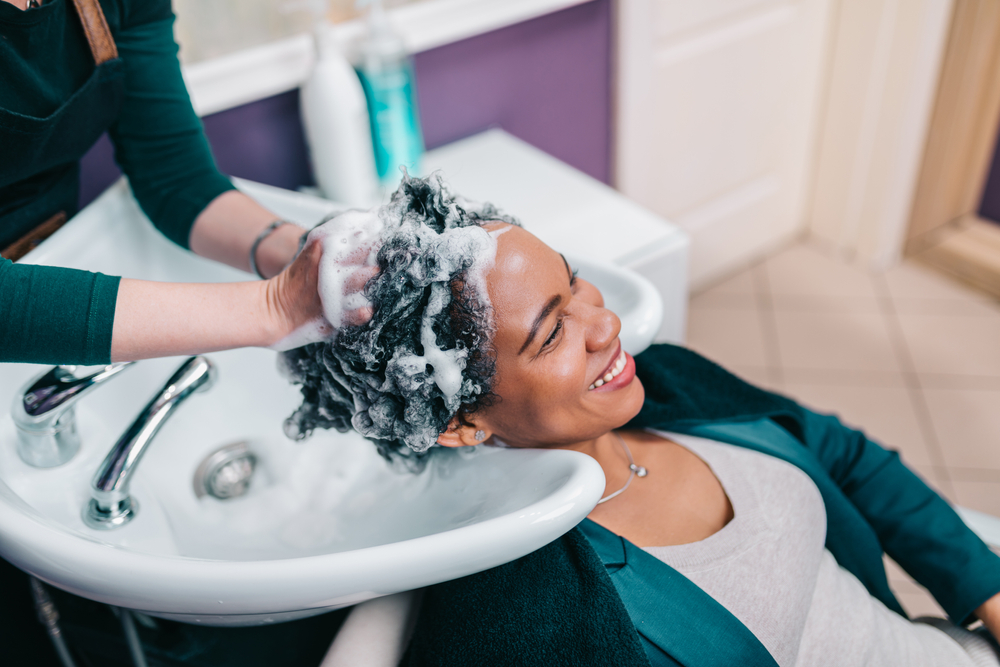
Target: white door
x=716 y=119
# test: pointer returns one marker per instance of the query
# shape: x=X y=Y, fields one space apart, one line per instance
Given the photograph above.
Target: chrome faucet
x=111 y=506
x=44 y=415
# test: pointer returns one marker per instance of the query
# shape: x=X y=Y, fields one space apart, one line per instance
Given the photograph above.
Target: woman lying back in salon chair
x=737 y=527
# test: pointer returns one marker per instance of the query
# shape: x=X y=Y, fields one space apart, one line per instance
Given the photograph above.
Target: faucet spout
x=111 y=505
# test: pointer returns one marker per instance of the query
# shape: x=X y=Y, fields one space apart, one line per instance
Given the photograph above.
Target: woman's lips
x=622 y=372
x=616 y=359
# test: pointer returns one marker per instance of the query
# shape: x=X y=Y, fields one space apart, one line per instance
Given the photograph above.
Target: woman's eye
x=572 y=281
x=552 y=336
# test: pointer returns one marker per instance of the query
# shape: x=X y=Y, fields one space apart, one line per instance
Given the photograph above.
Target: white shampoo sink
x=325 y=524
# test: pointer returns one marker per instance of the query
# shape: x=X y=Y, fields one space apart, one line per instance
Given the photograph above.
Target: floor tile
x=967 y=425
x=956 y=345
x=738 y=291
x=961 y=474
x=764 y=378
x=955 y=381
x=946 y=307
x=835 y=341
x=727 y=336
x=801 y=269
x=982 y=496
x=826 y=304
x=919 y=603
x=885 y=414
x=844 y=377
x=913 y=280
x=741 y=283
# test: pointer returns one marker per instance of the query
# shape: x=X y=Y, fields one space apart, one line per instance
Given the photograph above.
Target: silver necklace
x=633 y=471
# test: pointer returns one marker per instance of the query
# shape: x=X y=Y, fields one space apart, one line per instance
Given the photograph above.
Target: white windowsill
x=253 y=74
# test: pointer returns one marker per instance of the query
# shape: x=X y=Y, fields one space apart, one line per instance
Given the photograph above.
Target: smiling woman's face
x=562 y=376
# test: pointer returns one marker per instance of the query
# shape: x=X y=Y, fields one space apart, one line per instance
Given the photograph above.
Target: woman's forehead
x=527 y=274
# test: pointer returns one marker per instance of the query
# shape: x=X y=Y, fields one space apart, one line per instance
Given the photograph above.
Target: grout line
x=911 y=379
x=768 y=324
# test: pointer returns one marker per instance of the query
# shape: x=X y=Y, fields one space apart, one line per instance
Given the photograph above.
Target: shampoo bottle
x=336 y=121
x=386 y=73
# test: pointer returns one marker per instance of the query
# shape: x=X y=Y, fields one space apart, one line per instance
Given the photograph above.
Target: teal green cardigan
x=593 y=598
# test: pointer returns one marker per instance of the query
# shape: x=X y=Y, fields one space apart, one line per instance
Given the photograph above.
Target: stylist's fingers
x=293 y=295
x=353 y=318
x=354 y=294
x=359 y=278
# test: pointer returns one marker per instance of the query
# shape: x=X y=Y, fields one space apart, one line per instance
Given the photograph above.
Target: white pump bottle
x=336 y=122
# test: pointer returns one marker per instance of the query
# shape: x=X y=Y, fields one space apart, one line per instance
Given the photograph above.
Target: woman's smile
x=619 y=374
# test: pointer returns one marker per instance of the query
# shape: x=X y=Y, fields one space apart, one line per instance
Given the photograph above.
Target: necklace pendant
x=638 y=470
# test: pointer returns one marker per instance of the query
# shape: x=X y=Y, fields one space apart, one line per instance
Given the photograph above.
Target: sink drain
x=226 y=472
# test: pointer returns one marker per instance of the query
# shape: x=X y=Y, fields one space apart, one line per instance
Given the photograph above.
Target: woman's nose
x=603 y=328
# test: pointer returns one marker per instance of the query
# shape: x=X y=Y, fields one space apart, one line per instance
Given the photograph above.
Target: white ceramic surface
x=326 y=523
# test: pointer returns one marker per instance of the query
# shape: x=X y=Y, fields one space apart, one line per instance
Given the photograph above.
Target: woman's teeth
x=613 y=373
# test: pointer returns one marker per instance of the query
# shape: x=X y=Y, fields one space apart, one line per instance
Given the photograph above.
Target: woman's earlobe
x=462 y=435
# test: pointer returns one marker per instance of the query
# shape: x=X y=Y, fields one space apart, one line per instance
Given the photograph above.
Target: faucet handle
x=44 y=416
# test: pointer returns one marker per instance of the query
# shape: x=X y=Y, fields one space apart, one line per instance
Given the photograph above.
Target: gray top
x=769 y=567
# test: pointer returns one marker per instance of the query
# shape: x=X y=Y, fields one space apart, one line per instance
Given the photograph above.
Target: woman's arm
x=914 y=525
x=226 y=229
x=163 y=319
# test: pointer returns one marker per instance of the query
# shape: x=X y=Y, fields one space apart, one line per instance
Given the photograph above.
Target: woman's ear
x=462 y=435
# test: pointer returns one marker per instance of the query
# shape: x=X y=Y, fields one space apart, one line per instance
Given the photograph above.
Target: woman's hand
x=294 y=302
x=989 y=614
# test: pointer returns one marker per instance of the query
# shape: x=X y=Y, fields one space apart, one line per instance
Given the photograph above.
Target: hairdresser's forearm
x=227 y=228
x=165 y=319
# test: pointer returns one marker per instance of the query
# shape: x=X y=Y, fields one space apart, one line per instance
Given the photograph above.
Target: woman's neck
x=20 y=4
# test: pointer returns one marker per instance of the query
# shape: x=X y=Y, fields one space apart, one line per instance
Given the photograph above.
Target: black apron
x=39 y=172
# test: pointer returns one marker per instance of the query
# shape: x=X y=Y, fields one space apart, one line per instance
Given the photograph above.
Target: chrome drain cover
x=226 y=472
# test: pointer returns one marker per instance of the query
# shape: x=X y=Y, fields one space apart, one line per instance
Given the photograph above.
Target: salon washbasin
x=325 y=524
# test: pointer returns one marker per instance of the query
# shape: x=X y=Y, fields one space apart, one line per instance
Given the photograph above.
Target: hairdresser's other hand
x=294 y=303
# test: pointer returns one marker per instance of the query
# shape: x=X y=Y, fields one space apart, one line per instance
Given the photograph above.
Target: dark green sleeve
x=50 y=315
x=159 y=141
x=915 y=526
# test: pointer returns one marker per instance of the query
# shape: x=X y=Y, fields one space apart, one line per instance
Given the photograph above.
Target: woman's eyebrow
x=549 y=307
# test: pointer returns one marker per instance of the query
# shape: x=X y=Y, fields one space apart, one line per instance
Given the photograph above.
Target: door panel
x=716 y=122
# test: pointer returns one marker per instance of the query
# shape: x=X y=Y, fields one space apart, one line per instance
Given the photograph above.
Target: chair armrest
x=986 y=526
x=375 y=633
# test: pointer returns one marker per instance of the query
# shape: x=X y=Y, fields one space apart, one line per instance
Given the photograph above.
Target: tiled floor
x=908 y=355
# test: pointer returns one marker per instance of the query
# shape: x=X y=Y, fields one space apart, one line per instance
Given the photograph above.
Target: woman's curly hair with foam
x=379 y=378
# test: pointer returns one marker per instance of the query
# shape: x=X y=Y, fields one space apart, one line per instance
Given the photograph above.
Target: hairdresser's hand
x=293 y=299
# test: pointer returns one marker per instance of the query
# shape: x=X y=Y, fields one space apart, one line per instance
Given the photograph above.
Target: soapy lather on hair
x=424 y=356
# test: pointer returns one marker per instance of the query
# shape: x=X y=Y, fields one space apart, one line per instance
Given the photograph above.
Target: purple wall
x=989 y=207
x=547 y=81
